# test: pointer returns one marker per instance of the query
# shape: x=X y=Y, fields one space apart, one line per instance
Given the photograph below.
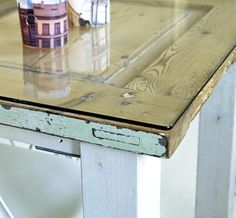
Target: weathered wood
x=7 y=6
x=182 y=3
x=183 y=68
x=178 y=131
x=118 y=45
x=104 y=100
x=217 y=152
x=152 y=73
x=117 y=183
x=82 y=130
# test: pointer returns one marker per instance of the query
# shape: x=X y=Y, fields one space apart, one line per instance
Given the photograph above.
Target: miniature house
x=44 y=23
x=27 y=21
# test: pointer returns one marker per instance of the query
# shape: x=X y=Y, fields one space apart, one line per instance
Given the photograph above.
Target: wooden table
x=120 y=93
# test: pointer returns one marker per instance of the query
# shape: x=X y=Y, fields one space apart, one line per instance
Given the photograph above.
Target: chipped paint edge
x=92 y=132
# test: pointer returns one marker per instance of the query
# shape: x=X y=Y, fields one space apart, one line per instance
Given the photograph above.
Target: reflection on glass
x=47 y=73
x=90 y=54
x=46 y=78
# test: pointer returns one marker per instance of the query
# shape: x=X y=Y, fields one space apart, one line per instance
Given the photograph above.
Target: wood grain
x=156 y=66
x=182 y=69
x=7 y=6
x=182 y=3
x=106 y=49
x=88 y=97
x=176 y=134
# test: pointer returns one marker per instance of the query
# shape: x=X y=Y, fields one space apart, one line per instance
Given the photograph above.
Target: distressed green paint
x=91 y=132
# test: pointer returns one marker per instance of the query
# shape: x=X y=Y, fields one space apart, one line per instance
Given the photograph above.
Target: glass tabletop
x=145 y=67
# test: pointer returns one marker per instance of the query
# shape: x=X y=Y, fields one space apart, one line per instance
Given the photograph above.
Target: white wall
x=39 y=185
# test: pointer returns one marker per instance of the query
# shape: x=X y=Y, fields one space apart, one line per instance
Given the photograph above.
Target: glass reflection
x=90 y=54
x=47 y=73
x=46 y=78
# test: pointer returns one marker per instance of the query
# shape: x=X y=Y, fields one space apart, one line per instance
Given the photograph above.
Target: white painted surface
x=234 y=216
x=217 y=151
x=149 y=187
x=109 y=182
x=38 y=139
x=179 y=178
x=119 y=184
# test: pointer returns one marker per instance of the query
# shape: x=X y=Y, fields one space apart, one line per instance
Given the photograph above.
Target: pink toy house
x=44 y=24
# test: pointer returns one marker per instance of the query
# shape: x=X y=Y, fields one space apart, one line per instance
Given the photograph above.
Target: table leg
x=178 y=178
x=217 y=152
x=118 y=184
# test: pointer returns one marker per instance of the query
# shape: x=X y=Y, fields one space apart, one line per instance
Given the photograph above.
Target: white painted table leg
x=178 y=178
x=119 y=184
x=217 y=152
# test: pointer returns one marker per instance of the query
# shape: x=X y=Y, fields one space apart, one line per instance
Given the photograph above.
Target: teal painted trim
x=91 y=132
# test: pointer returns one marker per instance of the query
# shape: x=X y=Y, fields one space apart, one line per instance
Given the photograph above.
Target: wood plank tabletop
x=150 y=70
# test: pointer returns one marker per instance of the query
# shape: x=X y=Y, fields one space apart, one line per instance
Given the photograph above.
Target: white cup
x=89 y=12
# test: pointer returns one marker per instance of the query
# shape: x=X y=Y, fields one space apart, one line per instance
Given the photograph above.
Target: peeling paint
x=163 y=141
x=6 y=107
x=87 y=98
x=113 y=136
x=37 y=129
x=91 y=132
x=124 y=103
x=129 y=95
